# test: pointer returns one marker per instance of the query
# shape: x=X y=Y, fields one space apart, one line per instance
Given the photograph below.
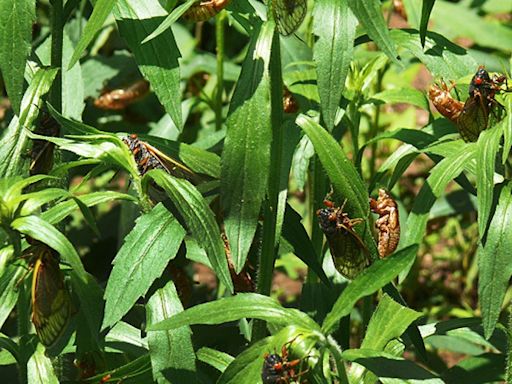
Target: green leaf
x=102 y=9
x=335 y=26
x=388 y=367
x=495 y=261
x=169 y=20
x=445 y=171
x=246 y=154
x=147 y=250
x=250 y=305
x=367 y=282
x=481 y=369
x=403 y=95
x=16 y=18
x=442 y=58
x=217 y=359
x=14 y=139
x=200 y=220
x=369 y=14
x=295 y=233
x=426 y=9
x=172 y=353
x=389 y=321
x=9 y=279
x=46 y=233
x=488 y=145
x=40 y=369
x=346 y=182
x=157 y=59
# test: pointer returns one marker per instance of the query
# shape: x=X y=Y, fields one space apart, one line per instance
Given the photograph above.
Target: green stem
x=270 y=240
x=23 y=320
x=374 y=128
x=335 y=350
x=219 y=33
x=57 y=26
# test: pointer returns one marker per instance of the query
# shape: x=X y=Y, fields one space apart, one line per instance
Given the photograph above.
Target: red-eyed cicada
x=348 y=251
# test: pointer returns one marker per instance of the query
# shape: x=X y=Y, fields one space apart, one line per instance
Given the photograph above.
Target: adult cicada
x=481 y=106
x=279 y=369
x=348 y=251
x=51 y=301
x=148 y=157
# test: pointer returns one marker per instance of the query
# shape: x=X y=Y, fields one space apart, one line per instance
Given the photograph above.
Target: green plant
x=217 y=175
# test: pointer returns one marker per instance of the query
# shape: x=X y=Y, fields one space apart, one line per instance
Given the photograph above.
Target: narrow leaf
x=335 y=26
x=102 y=9
x=218 y=360
x=426 y=9
x=370 y=280
x=172 y=353
x=147 y=250
x=14 y=139
x=16 y=18
x=157 y=59
x=250 y=305
x=369 y=14
x=495 y=261
x=9 y=279
x=40 y=369
x=200 y=221
x=245 y=158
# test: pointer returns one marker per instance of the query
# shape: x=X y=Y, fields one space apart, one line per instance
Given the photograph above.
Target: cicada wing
x=349 y=254
x=288 y=15
x=473 y=119
x=51 y=302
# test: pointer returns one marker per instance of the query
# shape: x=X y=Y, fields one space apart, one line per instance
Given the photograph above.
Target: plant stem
x=219 y=33
x=335 y=350
x=374 y=128
x=270 y=240
x=508 y=368
x=57 y=32
x=23 y=332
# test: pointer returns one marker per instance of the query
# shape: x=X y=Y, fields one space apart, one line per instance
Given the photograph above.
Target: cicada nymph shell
x=388 y=224
x=121 y=98
x=350 y=254
x=205 y=10
x=446 y=105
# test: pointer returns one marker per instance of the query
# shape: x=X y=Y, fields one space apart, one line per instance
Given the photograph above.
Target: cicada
x=41 y=155
x=446 y=105
x=288 y=15
x=51 y=301
x=205 y=10
x=388 y=224
x=278 y=369
x=120 y=98
x=148 y=157
x=349 y=253
x=481 y=105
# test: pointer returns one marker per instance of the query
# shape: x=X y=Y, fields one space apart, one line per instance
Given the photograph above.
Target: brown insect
x=290 y=103
x=446 y=105
x=120 y=98
x=242 y=281
x=205 y=10
x=41 y=155
x=148 y=157
x=387 y=225
x=349 y=253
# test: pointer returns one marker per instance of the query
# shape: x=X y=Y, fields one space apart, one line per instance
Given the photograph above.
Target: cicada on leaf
x=148 y=157
x=279 y=368
x=481 y=108
x=288 y=15
x=205 y=10
x=388 y=224
x=121 y=98
x=51 y=301
x=348 y=251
